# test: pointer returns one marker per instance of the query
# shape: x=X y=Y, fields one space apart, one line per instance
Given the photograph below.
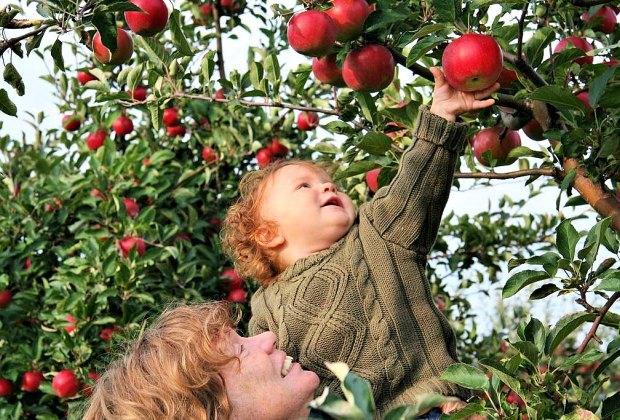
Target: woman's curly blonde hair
x=243 y=221
x=171 y=370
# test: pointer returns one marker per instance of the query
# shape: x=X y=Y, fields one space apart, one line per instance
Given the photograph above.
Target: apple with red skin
x=84 y=77
x=124 y=49
x=307 y=121
x=237 y=295
x=122 y=125
x=71 y=320
x=327 y=71
x=277 y=149
x=65 y=384
x=27 y=263
x=604 y=20
x=349 y=17
x=372 y=179
x=230 y=280
x=98 y=194
x=611 y=63
x=533 y=130
x=95 y=139
x=206 y=12
x=585 y=98
x=106 y=333
x=138 y=94
x=175 y=130
x=229 y=6
x=131 y=207
x=6 y=387
x=488 y=140
x=126 y=244
x=506 y=78
x=71 y=122
x=264 y=157
x=151 y=20
x=472 y=62
x=514 y=399
x=171 y=116
x=31 y=381
x=5 y=298
x=576 y=42
x=369 y=68
x=440 y=304
x=220 y=94
x=311 y=33
x=209 y=155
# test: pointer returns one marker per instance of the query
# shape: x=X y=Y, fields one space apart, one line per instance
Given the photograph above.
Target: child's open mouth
x=332 y=201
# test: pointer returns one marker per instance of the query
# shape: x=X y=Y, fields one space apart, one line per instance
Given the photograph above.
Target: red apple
x=277 y=149
x=122 y=125
x=230 y=280
x=311 y=33
x=175 y=130
x=229 y=6
x=206 y=13
x=584 y=97
x=488 y=140
x=138 y=94
x=372 y=179
x=71 y=122
x=106 y=333
x=611 y=63
x=98 y=194
x=131 y=207
x=506 y=78
x=264 y=157
x=31 y=381
x=171 y=116
x=237 y=295
x=152 y=20
x=514 y=399
x=95 y=140
x=84 y=77
x=6 y=387
x=604 y=20
x=216 y=224
x=5 y=298
x=441 y=305
x=209 y=155
x=472 y=62
x=369 y=68
x=65 y=384
x=576 y=42
x=349 y=17
x=124 y=49
x=533 y=130
x=71 y=320
x=307 y=121
x=220 y=94
x=27 y=263
x=327 y=71
x=130 y=242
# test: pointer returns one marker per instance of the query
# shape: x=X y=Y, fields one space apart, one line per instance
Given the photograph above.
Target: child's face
x=309 y=210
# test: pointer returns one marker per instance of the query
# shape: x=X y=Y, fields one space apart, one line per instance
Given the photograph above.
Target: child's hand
x=449 y=102
x=457 y=405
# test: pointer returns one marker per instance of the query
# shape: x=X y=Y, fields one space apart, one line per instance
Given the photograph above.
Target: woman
x=191 y=363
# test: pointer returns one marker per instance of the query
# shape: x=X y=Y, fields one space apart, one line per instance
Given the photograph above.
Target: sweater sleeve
x=409 y=210
x=258 y=322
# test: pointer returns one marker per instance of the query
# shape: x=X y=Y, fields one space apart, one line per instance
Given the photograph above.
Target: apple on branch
x=327 y=71
x=307 y=121
x=349 y=17
x=65 y=384
x=369 y=68
x=498 y=141
x=311 y=33
x=372 y=179
x=151 y=20
x=96 y=139
x=579 y=43
x=123 y=52
x=122 y=125
x=31 y=381
x=71 y=122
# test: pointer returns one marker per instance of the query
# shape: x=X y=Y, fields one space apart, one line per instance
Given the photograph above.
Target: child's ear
x=269 y=236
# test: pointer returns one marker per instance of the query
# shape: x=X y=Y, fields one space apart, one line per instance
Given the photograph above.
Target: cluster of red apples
x=232 y=283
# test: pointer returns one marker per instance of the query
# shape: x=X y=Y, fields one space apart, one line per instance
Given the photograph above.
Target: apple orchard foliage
x=100 y=231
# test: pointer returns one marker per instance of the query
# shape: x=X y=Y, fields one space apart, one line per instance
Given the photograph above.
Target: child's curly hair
x=243 y=221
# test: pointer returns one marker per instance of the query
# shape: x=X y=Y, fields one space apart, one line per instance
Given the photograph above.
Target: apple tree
x=115 y=212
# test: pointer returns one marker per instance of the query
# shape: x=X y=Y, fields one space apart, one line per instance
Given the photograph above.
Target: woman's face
x=256 y=387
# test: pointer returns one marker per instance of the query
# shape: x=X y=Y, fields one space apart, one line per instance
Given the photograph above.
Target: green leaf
x=57 y=55
x=589 y=356
x=368 y=105
x=135 y=77
x=563 y=328
x=13 y=78
x=610 y=282
x=6 y=105
x=161 y=156
x=155 y=51
x=178 y=38
x=272 y=67
x=534 y=48
x=422 y=47
x=593 y=242
x=466 y=376
x=445 y=10
x=596 y=87
x=326 y=148
x=560 y=98
x=544 y=291
x=106 y=26
x=356 y=168
x=360 y=392
x=611 y=406
x=522 y=279
x=568 y=179
x=207 y=65
x=155 y=111
x=523 y=151
x=375 y=143
x=339 y=127
x=34 y=42
x=529 y=351
x=606 y=362
x=536 y=333
x=502 y=373
x=256 y=74
x=566 y=239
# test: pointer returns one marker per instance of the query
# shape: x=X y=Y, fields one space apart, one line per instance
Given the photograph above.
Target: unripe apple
x=65 y=384
x=349 y=17
x=372 y=179
x=152 y=20
x=230 y=280
x=107 y=332
x=175 y=130
x=533 y=130
x=237 y=295
x=122 y=125
x=307 y=121
x=209 y=155
x=84 y=77
x=576 y=42
x=311 y=33
x=472 y=62
x=264 y=157
x=171 y=116
x=95 y=140
x=71 y=122
x=604 y=20
x=369 y=68
x=277 y=149
x=5 y=298
x=488 y=140
x=6 y=387
x=327 y=71
x=31 y=381
x=506 y=78
x=124 y=49
x=131 y=207
x=138 y=94
x=71 y=320
x=130 y=242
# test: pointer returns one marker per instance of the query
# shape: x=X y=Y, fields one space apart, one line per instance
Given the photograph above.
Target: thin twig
x=22 y=23
x=588 y=3
x=218 y=39
x=508 y=175
x=521 y=27
x=10 y=42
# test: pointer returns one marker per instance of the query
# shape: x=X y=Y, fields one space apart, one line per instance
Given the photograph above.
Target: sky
x=38 y=97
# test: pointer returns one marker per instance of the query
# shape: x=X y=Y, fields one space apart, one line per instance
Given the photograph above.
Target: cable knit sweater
x=366 y=300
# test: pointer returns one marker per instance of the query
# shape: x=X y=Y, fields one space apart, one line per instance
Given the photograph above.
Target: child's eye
x=303 y=185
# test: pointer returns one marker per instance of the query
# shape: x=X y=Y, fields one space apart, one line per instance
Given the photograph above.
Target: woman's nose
x=265 y=341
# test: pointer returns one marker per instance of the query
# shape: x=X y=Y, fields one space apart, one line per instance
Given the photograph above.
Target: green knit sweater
x=365 y=300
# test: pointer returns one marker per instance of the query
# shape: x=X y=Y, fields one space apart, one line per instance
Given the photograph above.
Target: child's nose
x=329 y=186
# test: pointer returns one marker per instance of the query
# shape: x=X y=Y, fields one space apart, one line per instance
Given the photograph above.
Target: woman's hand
x=449 y=102
x=457 y=405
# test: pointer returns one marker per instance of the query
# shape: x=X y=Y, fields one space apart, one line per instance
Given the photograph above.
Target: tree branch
x=588 y=3
x=509 y=175
x=218 y=39
x=10 y=42
x=521 y=27
x=522 y=65
x=23 y=23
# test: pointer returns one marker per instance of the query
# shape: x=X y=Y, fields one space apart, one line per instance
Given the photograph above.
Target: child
x=341 y=287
